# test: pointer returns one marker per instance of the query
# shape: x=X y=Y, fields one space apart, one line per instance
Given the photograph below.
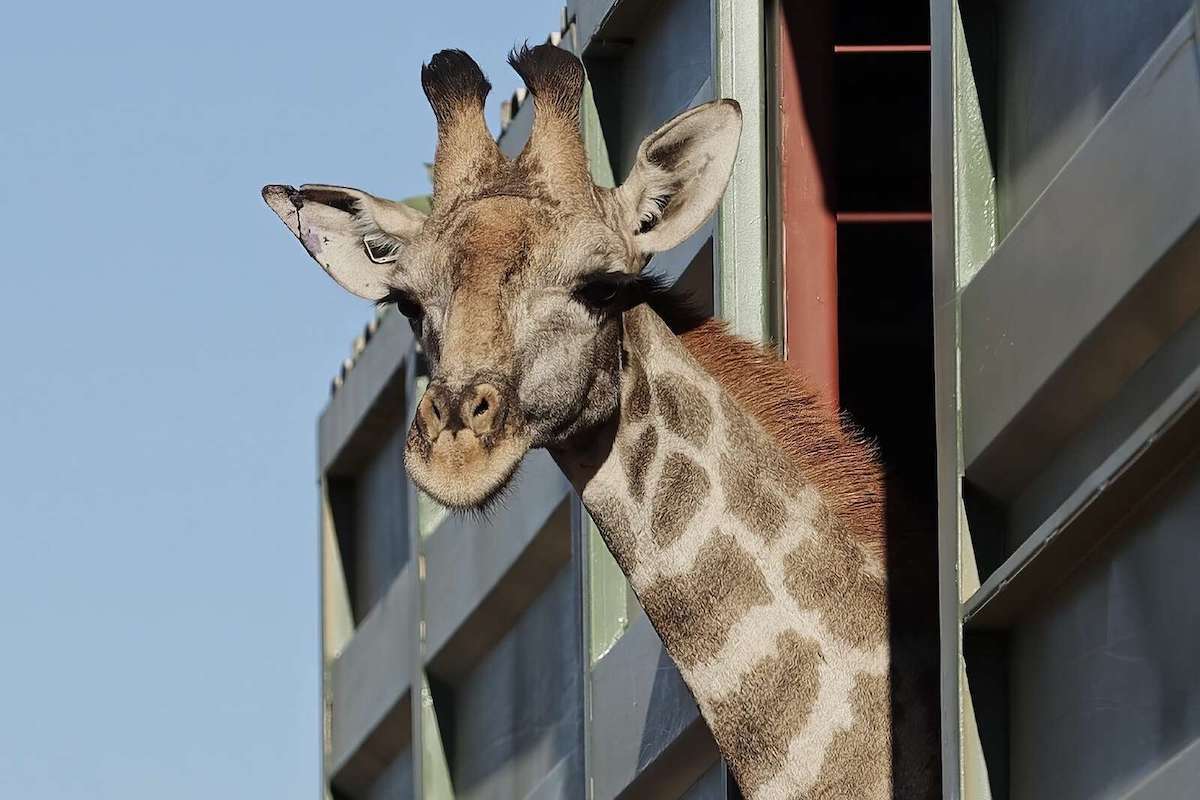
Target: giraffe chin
x=459 y=470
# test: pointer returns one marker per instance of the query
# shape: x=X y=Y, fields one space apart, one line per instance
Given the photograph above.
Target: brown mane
x=828 y=451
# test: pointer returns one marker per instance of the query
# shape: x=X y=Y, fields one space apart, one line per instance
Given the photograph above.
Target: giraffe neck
x=774 y=610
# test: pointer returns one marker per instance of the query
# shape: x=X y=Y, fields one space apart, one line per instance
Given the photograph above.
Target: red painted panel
x=807 y=205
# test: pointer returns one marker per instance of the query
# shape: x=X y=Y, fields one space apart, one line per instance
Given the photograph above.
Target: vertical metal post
x=337 y=618
x=416 y=549
x=949 y=451
x=741 y=273
x=324 y=534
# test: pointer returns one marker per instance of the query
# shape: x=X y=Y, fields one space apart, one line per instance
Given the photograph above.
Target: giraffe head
x=516 y=281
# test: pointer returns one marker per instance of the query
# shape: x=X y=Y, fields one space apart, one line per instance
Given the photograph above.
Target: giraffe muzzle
x=461 y=448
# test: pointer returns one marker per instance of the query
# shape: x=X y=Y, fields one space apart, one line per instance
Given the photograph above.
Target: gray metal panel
x=415 y=664
x=1140 y=397
x=482 y=572
x=712 y=785
x=646 y=729
x=369 y=689
x=380 y=524
x=665 y=58
x=516 y=719
x=563 y=782
x=1061 y=65
x=1112 y=492
x=512 y=140
x=395 y=782
x=1103 y=679
x=590 y=15
x=370 y=400
x=1086 y=286
x=1179 y=777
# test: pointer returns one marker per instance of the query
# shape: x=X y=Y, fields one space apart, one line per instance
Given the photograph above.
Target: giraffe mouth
x=460 y=470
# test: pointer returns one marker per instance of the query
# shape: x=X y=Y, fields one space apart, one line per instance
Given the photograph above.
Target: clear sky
x=165 y=348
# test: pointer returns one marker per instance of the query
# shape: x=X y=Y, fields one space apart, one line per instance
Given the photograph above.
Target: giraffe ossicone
x=747 y=518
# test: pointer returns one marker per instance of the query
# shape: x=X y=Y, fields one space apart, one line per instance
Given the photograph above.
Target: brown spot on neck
x=826 y=572
x=682 y=487
x=637 y=456
x=694 y=612
x=829 y=454
x=851 y=767
x=754 y=724
x=684 y=409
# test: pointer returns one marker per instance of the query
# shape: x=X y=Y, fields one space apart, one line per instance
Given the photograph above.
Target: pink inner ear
x=311 y=241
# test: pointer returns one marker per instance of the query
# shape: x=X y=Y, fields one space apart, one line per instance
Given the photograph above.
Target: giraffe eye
x=606 y=291
x=598 y=294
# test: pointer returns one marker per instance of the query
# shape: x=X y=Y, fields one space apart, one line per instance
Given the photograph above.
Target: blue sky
x=166 y=347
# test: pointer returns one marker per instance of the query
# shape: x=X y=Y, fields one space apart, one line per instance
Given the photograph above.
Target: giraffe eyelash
x=403 y=301
x=617 y=292
x=608 y=290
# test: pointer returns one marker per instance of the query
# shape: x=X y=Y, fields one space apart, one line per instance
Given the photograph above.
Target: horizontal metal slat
x=858 y=49
x=1111 y=492
x=370 y=402
x=370 y=705
x=1177 y=778
x=650 y=738
x=482 y=573
x=883 y=217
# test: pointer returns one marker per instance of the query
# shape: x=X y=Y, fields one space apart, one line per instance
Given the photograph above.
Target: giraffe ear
x=681 y=172
x=355 y=237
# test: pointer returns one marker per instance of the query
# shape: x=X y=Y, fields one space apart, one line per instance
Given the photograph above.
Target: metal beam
x=805 y=186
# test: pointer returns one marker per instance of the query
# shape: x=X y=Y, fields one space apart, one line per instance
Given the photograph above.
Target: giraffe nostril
x=436 y=410
x=483 y=409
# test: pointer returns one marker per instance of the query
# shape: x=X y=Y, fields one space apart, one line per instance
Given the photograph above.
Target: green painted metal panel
x=435 y=771
x=430 y=513
x=608 y=596
x=742 y=270
x=974 y=174
x=607 y=592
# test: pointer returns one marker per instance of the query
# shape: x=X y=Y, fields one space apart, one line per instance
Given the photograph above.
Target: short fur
x=554 y=156
x=452 y=80
x=552 y=75
x=828 y=452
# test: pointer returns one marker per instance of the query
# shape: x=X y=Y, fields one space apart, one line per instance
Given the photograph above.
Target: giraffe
x=748 y=518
